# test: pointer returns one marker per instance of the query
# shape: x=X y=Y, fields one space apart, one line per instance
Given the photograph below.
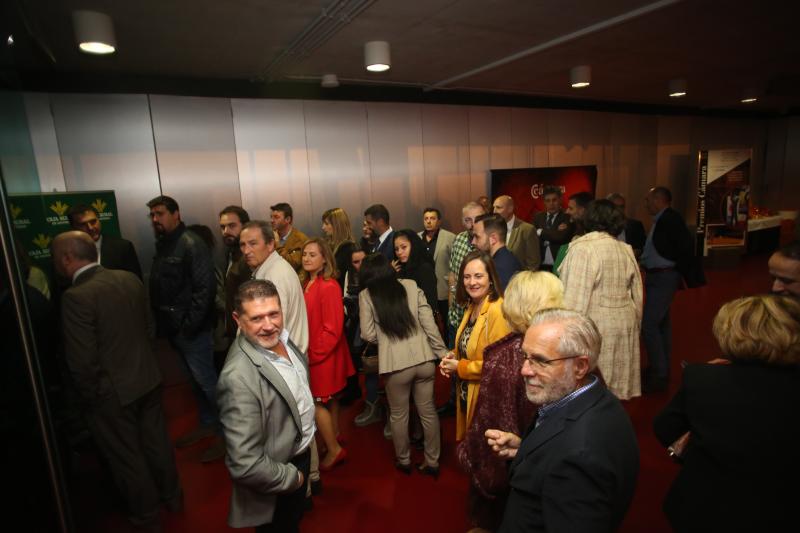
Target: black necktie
x=550 y=217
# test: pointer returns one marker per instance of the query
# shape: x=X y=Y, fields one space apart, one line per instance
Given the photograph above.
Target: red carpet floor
x=366 y=494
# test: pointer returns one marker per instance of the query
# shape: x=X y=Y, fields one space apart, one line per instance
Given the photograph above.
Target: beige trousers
x=398 y=388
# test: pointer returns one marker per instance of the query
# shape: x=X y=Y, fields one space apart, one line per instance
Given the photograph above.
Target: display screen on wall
x=38 y=218
x=723 y=198
x=526 y=185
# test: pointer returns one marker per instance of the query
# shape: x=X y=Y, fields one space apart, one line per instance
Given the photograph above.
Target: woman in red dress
x=328 y=356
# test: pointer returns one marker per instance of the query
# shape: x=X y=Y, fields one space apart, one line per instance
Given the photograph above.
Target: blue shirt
x=549 y=409
x=650 y=256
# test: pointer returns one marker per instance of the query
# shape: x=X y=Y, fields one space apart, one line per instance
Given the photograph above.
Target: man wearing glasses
x=577 y=463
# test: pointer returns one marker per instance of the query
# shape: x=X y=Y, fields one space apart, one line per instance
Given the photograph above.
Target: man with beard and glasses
x=575 y=468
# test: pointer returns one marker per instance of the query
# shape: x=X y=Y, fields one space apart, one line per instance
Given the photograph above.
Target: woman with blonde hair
x=740 y=464
x=328 y=356
x=503 y=401
x=339 y=235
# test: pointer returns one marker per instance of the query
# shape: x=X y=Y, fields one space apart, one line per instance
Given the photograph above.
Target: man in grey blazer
x=107 y=332
x=438 y=242
x=267 y=415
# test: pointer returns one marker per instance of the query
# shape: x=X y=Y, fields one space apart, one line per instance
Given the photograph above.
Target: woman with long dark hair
x=414 y=262
x=396 y=315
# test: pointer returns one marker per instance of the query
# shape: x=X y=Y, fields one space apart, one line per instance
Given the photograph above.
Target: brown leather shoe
x=194 y=436
x=214 y=452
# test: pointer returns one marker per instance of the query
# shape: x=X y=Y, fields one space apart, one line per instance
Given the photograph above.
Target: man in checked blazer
x=267 y=415
x=575 y=469
x=107 y=332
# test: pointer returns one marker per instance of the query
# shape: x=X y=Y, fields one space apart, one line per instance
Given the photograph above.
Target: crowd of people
x=536 y=324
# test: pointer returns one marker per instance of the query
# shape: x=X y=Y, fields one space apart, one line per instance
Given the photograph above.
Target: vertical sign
x=723 y=198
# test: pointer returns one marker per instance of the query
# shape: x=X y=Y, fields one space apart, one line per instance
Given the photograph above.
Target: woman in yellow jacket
x=483 y=324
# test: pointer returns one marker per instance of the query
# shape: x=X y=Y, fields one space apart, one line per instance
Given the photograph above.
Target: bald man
x=522 y=239
x=107 y=333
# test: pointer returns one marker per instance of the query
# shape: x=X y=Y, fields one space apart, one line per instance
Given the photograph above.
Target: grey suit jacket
x=261 y=424
x=441 y=260
x=524 y=244
x=423 y=345
x=107 y=331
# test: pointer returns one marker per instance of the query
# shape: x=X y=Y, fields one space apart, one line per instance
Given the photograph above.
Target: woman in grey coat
x=395 y=315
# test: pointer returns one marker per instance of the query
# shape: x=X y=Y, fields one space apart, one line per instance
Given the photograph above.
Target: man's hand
x=562 y=227
x=503 y=443
x=301 y=478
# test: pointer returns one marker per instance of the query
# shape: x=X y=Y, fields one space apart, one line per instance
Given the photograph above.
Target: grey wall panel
x=196 y=155
x=445 y=135
x=564 y=137
x=339 y=158
x=272 y=159
x=529 y=139
x=44 y=141
x=396 y=162
x=595 y=130
x=106 y=142
x=489 y=145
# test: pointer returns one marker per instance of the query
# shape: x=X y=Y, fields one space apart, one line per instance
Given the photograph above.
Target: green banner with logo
x=38 y=218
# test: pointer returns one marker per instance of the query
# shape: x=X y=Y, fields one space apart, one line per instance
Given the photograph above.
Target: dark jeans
x=289 y=507
x=198 y=354
x=659 y=288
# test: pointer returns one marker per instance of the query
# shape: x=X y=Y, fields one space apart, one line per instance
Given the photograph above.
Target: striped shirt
x=550 y=408
x=461 y=247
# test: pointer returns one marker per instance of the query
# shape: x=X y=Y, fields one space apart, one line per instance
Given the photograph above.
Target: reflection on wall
x=209 y=152
x=16 y=152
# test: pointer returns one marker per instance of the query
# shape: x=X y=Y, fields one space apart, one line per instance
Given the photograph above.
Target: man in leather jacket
x=182 y=288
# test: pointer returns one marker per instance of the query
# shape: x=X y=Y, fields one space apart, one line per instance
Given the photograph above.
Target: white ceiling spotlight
x=330 y=81
x=580 y=76
x=749 y=96
x=94 y=32
x=377 y=56
x=677 y=88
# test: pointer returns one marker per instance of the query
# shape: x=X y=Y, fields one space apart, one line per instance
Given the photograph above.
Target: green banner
x=38 y=218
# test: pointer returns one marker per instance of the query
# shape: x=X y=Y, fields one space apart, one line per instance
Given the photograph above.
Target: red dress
x=328 y=355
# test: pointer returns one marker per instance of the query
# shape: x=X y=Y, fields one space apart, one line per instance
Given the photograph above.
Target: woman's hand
x=396 y=265
x=448 y=365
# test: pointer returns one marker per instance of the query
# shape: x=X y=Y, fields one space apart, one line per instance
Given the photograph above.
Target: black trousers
x=289 y=507
x=134 y=442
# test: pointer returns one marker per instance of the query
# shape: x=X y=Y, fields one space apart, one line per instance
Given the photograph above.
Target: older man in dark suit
x=267 y=412
x=553 y=226
x=107 y=334
x=633 y=233
x=113 y=252
x=576 y=468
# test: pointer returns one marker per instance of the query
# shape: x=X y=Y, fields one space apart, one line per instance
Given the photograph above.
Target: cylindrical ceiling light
x=377 y=57
x=94 y=32
x=677 y=88
x=580 y=76
x=749 y=96
x=330 y=81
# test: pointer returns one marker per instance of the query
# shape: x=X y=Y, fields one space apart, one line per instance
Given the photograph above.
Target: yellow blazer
x=292 y=250
x=490 y=326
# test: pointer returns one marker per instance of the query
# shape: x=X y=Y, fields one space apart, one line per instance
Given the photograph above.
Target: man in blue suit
x=489 y=236
x=377 y=219
x=575 y=468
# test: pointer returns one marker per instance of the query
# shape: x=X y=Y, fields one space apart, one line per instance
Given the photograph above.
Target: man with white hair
x=575 y=468
x=521 y=238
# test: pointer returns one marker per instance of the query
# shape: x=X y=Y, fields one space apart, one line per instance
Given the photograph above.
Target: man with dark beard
x=231 y=220
x=575 y=468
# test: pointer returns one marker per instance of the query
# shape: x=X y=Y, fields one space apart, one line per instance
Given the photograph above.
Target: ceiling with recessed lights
x=522 y=47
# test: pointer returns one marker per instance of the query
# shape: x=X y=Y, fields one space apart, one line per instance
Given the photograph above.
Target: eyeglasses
x=542 y=362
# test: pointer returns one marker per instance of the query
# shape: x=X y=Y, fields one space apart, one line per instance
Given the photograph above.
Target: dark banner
x=38 y=218
x=526 y=185
x=723 y=198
